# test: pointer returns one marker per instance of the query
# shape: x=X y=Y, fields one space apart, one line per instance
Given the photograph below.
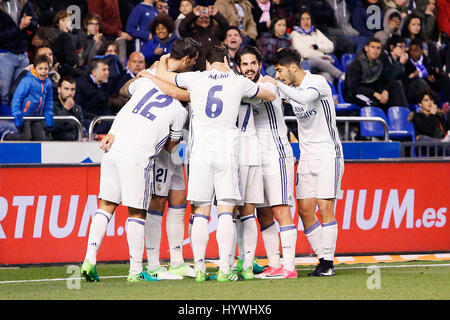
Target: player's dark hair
x=287 y=56
x=248 y=50
x=216 y=54
x=184 y=47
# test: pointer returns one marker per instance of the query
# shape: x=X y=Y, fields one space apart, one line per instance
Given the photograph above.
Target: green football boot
x=201 y=276
x=247 y=274
x=89 y=271
x=222 y=277
x=257 y=268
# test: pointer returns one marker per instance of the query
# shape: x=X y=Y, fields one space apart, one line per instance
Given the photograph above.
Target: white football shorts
x=278 y=176
x=319 y=178
x=213 y=174
x=167 y=176
x=252 y=184
x=124 y=181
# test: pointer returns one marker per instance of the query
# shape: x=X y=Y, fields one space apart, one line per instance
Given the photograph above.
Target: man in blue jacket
x=138 y=24
x=16 y=19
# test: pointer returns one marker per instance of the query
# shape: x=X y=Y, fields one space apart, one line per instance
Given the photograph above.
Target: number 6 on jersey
x=214 y=105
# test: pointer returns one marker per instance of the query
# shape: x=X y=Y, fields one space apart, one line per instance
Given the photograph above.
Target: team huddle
x=238 y=158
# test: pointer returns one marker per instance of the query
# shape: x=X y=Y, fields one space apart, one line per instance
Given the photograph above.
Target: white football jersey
x=271 y=128
x=143 y=125
x=215 y=101
x=313 y=105
x=249 y=153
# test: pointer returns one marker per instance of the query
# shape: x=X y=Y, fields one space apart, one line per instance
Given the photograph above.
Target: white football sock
x=225 y=240
x=233 y=247
x=249 y=239
x=191 y=221
x=329 y=238
x=314 y=236
x=175 y=233
x=271 y=241
x=135 y=238
x=153 y=237
x=239 y=238
x=97 y=231
x=199 y=240
x=288 y=236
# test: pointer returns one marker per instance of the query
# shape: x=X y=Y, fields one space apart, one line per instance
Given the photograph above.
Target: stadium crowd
x=72 y=57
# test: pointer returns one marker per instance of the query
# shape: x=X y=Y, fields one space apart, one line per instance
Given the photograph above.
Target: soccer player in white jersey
x=169 y=182
x=321 y=164
x=216 y=96
x=278 y=176
x=250 y=179
x=150 y=121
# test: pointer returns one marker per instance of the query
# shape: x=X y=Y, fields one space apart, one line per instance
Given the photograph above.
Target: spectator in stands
x=162 y=6
x=314 y=46
x=262 y=14
x=16 y=20
x=47 y=9
x=33 y=97
x=270 y=42
x=138 y=23
x=136 y=63
x=283 y=8
x=443 y=12
x=232 y=42
x=364 y=81
x=239 y=13
x=361 y=18
x=64 y=105
x=161 y=40
x=186 y=7
x=425 y=10
x=421 y=75
x=90 y=38
x=109 y=11
x=64 y=45
x=391 y=25
x=342 y=15
x=92 y=95
x=53 y=74
x=400 y=5
x=207 y=26
x=429 y=122
x=394 y=57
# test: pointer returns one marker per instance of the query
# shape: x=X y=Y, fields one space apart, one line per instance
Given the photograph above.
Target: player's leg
x=329 y=233
x=136 y=243
x=288 y=237
x=249 y=238
x=175 y=232
x=97 y=230
x=200 y=238
x=225 y=236
x=153 y=223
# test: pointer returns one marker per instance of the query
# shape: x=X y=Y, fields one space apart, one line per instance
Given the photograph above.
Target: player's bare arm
x=167 y=88
x=163 y=73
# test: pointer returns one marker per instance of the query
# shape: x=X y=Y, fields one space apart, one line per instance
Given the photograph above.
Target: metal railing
x=95 y=121
x=348 y=119
x=425 y=149
x=56 y=118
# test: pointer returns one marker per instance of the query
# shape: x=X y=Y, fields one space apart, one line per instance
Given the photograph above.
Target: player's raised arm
x=300 y=96
x=169 y=89
x=266 y=94
x=163 y=73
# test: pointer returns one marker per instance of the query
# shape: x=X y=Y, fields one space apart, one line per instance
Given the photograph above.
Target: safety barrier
x=56 y=118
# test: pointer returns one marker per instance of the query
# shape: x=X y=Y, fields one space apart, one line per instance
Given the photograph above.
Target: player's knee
x=157 y=203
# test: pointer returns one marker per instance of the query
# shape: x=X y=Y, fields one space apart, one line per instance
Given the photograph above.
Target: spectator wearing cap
x=138 y=23
x=392 y=23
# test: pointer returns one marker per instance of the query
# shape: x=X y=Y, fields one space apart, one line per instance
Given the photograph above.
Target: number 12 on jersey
x=163 y=101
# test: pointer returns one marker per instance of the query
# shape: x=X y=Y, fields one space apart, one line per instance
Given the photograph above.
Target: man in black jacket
x=93 y=94
x=365 y=84
x=64 y=105
x=16 y=19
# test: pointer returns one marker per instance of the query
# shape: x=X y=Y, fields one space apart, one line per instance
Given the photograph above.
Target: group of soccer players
x=238 y=158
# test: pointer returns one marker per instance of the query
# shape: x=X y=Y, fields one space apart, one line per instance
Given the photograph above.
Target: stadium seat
x=371 y=129
x=343 y=107
x=346 y=59
x=399 y=126
x=5 y=110
x=336 y=62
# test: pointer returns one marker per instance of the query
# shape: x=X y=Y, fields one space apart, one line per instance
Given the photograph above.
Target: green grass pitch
x=414 y=280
